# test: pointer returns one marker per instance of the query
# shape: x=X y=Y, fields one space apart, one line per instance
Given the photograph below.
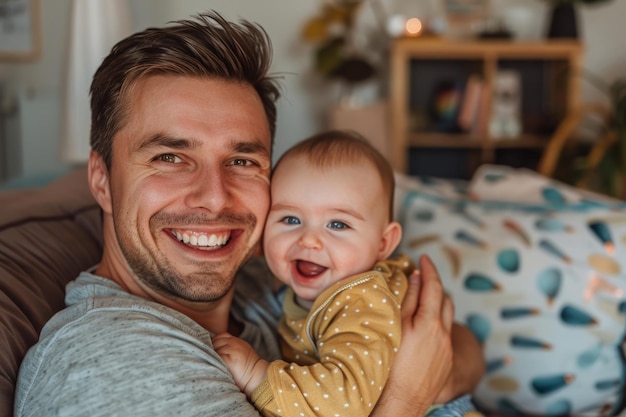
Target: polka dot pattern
x=337 y=356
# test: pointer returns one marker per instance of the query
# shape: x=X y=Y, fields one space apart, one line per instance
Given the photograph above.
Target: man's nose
x=209 y=190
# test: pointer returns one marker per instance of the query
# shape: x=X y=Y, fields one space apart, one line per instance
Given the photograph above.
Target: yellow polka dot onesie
x=337 y=356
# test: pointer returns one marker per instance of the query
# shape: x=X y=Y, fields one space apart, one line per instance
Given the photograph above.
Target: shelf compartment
x=550 y=89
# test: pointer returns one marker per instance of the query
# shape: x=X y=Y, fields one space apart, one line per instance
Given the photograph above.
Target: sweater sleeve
x=356 y=333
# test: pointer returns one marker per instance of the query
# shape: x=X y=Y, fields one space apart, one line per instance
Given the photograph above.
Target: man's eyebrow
x=161 y=140
x=250 y=147
x=168 y=142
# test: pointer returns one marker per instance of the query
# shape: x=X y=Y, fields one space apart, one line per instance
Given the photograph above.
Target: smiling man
x=177 y=198
x=182 y=125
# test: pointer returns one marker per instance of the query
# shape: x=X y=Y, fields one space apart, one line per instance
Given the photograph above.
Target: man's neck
x=214 y=316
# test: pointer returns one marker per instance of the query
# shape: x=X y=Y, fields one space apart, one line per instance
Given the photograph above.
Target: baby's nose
x=310 y=240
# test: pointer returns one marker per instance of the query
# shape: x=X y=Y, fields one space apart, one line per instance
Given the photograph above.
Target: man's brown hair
x=208 y=46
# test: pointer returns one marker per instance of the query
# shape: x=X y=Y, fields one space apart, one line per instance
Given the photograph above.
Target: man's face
x=189 y=186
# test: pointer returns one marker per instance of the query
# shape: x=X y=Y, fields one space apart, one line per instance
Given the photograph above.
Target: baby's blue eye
x=291 y=220
x=336 y=224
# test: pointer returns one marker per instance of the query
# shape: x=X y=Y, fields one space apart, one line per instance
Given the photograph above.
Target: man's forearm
x=468 y=366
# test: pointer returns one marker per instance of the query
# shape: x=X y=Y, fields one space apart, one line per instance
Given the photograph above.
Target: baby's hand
x=247 y=368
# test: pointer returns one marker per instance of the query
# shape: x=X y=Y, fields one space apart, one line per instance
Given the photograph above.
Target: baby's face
x=324 y=224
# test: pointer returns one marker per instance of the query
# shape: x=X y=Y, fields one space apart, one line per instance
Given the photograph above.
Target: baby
x=327 y=236
x=329 y=224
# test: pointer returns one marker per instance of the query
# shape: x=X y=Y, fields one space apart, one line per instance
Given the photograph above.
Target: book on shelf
x=470 y=103
x=474 y=109
x=481 y=123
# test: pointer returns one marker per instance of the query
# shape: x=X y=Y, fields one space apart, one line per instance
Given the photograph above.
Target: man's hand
x=468 y=366
x=247 y=368
x=424 y=361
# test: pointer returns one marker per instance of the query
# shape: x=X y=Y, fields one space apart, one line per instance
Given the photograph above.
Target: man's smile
x=202 y=240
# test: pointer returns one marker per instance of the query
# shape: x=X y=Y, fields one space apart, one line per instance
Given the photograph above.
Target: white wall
x=302 y=108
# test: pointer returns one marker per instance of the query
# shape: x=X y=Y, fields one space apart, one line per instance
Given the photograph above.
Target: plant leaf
x=315 y=30
x=329 y=56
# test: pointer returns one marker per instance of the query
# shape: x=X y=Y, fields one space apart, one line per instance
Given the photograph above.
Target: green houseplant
x=604 y=169
x=331 y=32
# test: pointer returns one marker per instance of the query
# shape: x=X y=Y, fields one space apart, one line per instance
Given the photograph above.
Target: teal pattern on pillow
x=541 y=285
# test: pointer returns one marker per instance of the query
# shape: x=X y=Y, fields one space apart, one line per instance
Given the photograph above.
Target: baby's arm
x=346 y=364
x=247 y=368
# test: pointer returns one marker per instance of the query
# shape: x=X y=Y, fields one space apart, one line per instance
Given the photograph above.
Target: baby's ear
x=390 y=240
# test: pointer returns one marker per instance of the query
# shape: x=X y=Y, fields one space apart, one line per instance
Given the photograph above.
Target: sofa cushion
x=540 y=282
x=47 y=236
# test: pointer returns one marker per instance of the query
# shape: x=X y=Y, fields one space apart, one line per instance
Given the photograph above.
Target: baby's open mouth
x=309 y=269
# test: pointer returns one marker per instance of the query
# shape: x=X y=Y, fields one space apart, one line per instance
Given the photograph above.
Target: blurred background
x=34 y=88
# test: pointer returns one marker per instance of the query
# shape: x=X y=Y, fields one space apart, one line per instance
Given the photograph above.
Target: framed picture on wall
x=466 y=10
x=20 y=30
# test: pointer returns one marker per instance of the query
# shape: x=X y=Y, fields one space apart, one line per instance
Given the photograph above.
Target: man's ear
x=390 y=240
x=98 y=176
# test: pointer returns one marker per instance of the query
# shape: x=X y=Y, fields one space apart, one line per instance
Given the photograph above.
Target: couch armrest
x=47 y=236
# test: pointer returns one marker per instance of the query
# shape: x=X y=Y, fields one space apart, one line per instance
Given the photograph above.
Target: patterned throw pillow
x=541 y=285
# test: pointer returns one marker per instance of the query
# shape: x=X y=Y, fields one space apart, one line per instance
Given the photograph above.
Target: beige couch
x=47 y=236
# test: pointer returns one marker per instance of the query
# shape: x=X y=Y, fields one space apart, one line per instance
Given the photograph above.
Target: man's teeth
x=202 y=240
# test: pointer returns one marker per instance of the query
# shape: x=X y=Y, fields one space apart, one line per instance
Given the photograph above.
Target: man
x=182 y=121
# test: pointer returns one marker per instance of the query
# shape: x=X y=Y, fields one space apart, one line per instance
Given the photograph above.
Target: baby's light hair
x=336 y=147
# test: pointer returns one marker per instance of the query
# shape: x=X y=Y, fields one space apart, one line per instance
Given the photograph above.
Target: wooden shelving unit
x=550 y=86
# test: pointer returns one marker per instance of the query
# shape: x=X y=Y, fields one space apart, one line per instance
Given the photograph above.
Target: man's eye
x=336 y=224
x=168 y=157
x=291 y=220
x=241 y=162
